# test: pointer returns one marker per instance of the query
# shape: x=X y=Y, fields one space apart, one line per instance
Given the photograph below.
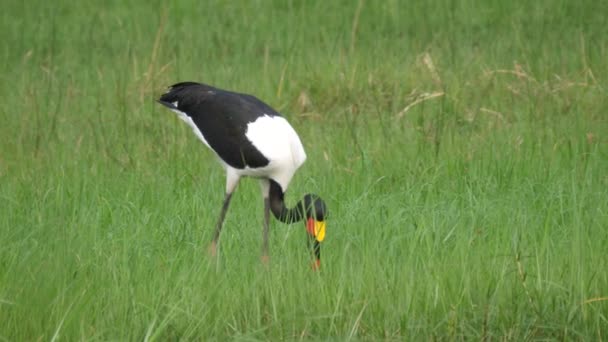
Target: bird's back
x=246 y=133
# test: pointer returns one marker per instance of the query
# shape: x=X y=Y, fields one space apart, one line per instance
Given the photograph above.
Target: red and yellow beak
x=316 y=234
x=316 y=229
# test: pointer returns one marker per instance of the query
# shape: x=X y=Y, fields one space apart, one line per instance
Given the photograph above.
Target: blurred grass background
x=461 y=147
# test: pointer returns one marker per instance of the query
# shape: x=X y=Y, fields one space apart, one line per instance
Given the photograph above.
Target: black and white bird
x=250 y=139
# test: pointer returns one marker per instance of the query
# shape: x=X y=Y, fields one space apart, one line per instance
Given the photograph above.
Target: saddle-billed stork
x=250 y=139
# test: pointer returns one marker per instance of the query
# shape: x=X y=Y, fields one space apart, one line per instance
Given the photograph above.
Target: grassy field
x=461 y=146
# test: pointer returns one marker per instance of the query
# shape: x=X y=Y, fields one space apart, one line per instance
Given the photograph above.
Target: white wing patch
x=274 y=137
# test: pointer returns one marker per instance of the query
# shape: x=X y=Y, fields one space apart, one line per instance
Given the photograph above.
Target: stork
x=250 y=139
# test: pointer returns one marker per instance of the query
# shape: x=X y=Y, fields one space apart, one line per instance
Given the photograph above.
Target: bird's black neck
x=279 y=210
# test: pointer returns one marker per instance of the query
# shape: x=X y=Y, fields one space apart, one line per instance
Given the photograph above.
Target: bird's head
x=315 y=213
x=311 y=209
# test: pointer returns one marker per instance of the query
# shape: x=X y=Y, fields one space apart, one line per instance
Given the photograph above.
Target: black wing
x=222 y=118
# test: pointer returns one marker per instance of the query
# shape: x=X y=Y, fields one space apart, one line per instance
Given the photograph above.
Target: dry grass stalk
x=304 y=101
x=592 y=300
x=428 y=62
x=523 y=276
x=353 y=31
x=517 y=70
x=493 y=112
x=421 y=98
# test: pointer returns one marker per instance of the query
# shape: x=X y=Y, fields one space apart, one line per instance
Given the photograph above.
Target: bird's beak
x=316 y=229
x=316 y=234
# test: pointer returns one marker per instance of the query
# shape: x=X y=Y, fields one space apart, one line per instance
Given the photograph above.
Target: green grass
x=479 y=213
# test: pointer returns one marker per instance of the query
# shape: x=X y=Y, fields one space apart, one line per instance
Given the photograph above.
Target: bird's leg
x=218 y=226
x=232 y=180
x=265 y=257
